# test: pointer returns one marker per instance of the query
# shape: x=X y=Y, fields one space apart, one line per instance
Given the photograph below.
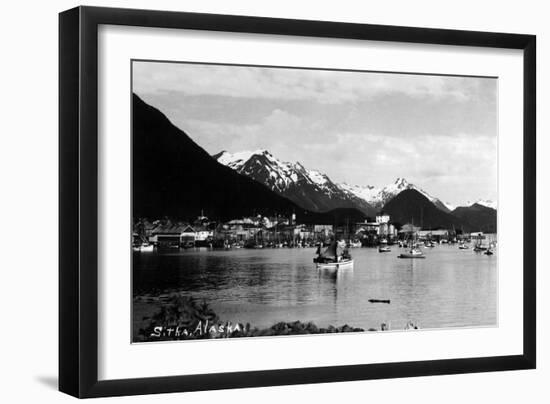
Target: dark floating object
x=379 y=301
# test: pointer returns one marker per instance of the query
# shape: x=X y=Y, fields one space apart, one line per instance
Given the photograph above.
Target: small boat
x=384 y=249
x=490 y=249
x=412 y=253
x=413 y=250
x=387 y=301
x=344 y=264
x=411 y=326
x=355 y=244
x=463 y=247
x=479 y=247
x=145 y=247
x=333 y=257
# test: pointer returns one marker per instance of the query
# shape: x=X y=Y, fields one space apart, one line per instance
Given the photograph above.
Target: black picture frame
x=78 y=200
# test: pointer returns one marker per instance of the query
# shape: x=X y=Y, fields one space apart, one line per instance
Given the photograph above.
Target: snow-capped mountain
x=487 y=203
x=378 y=197
x=367 y=192
x=450 y=206
x=309 y=189
x=314 y=190
x=483 y=202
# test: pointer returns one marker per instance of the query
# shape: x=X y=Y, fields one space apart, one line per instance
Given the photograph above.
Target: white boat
x=413 y=250
x=344 y=264
x=384 y=249
x=145 y=247
x=490 y=250
x=412 y=253
x=334 y=257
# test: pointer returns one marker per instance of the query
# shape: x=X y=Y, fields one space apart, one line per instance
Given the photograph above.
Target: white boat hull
x=336 y=265
x=412 y=254
x=145 y=248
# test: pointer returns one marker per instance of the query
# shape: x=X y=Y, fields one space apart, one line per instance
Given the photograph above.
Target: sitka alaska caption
x=270 y=201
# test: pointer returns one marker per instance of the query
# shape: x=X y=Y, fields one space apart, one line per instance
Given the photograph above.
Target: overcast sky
x=362 y=128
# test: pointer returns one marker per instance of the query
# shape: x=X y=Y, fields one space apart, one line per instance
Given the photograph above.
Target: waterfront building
x=170 y=235
x=382 y=218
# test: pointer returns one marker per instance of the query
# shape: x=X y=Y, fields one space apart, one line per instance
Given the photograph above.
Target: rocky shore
x=177 y=317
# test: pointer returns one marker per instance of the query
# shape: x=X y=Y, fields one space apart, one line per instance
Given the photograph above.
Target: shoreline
x=180 y=317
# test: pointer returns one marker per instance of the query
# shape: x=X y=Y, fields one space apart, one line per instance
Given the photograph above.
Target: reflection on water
x=451 y=287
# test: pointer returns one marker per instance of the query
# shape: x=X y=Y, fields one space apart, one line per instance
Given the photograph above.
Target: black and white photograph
x=276 y=201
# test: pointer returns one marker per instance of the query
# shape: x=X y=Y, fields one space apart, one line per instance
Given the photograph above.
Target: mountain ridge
x=479 y=217
x=411 y=206
x=287 y=179
x=173 y=176
x=378 y=197
x=310 y=189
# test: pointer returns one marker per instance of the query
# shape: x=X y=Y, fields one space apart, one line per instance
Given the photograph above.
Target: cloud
x=323 y=86
x=362 y=128
x=272 y=132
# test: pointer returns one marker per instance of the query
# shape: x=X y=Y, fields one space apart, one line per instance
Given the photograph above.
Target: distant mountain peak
x=481 y=202
x=487 y=203
x=227 y=158
x=413 y=206
x=401 y=182
x=378 y=197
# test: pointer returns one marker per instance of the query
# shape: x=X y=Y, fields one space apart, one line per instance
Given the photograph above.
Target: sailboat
x=412 y=249
x=333 y=257
x=479 y=245
x=384 y=247
x=143 y=245
x=412 y=253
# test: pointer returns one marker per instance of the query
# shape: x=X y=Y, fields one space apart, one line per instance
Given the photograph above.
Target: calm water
x=449 y=288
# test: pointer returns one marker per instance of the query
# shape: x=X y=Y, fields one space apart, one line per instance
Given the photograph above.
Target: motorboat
x=144 y=247
x=412 y=253
x=413 y=250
